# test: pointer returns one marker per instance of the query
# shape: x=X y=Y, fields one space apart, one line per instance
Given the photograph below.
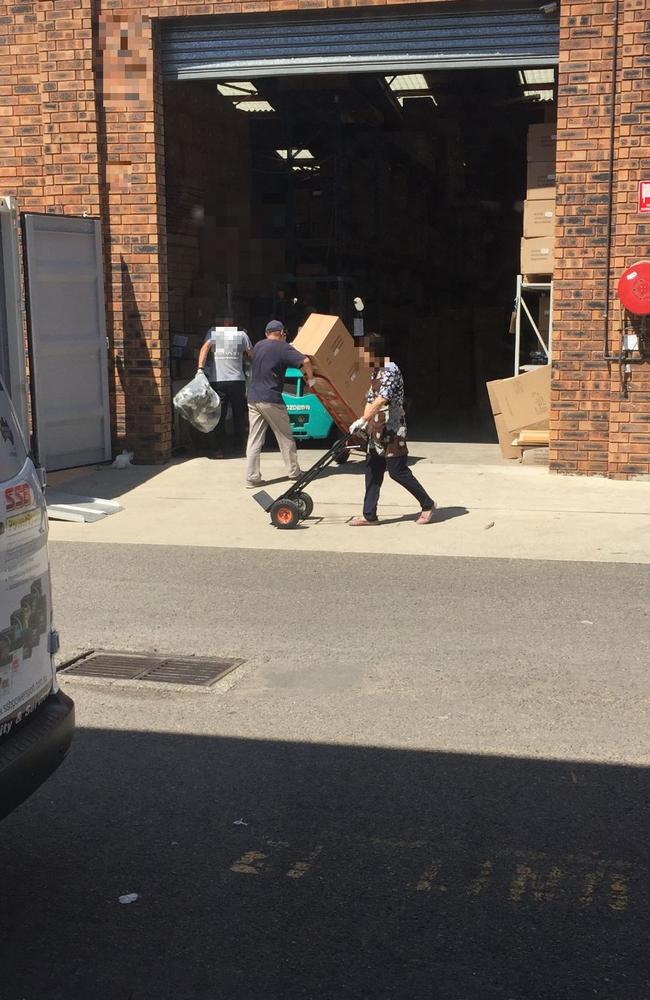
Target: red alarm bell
x=634 y=288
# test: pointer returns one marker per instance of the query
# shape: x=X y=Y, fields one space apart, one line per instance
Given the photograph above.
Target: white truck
x=36 y=718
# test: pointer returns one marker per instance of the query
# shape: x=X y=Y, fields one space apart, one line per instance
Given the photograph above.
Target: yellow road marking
x=300 y=868
x=584 y=880
x=428 y=877
x=592 y=881
x=250 y=863
x=542 y=887
x=620 y=893
x=482 y=880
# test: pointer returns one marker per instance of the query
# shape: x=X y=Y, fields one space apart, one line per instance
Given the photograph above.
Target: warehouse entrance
x=300 y=192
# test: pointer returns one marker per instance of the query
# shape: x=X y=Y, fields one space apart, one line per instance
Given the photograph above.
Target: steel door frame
x=14 y=304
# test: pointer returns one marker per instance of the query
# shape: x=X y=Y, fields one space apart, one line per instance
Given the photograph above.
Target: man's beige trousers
x=275 y=416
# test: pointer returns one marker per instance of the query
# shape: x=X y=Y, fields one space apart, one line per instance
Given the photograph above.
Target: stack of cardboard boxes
x=537 y=245
x=342 y=379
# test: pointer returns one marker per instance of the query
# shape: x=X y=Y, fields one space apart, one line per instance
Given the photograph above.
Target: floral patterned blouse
x=387 y=430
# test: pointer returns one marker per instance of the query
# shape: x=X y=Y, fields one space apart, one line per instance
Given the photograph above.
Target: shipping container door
x=67 y=325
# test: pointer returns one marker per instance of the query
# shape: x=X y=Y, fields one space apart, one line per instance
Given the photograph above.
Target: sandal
x=360 y=522
x=427 y=516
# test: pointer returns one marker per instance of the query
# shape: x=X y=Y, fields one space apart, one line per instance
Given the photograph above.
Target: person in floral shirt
x=385 y=426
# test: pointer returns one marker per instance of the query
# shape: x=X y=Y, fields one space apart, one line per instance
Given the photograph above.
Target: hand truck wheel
x=342 y=456
x=306 y=503
x=285 y=513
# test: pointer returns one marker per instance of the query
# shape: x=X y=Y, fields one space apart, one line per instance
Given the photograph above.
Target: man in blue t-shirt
x=271 y=358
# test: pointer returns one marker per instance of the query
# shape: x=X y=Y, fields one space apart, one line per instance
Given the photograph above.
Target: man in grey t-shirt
x=222 y=359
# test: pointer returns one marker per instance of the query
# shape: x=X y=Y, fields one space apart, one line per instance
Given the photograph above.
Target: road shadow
x=281 y=870
x=448 y=514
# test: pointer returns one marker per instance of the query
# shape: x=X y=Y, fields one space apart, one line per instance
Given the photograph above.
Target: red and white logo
x=644 y=197
x=17 y=497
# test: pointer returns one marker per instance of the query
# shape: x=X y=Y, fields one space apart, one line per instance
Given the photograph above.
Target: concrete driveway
x=489 y=508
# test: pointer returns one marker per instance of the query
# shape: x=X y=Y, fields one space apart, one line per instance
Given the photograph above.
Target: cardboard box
x=508 y=450
x=538 y=255
x=542 y=142
x=540 y=180
x=539 y=217
x=524 y=400
x=326 y=340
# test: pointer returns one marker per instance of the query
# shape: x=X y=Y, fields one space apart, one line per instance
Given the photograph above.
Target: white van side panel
x=26 y=671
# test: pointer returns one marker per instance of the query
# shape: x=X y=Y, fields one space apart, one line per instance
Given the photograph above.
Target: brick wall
x=604 y=67
x=81 y=129
x=48 y=124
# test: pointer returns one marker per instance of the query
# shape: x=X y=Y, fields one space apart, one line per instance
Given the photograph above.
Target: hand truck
x=295 y=505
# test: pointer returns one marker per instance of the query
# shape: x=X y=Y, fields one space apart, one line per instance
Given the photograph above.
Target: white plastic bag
x=124 y=460
x=199 y=403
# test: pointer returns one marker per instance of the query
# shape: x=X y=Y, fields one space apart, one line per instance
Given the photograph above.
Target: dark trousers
x=232 y=394
x=398 y=470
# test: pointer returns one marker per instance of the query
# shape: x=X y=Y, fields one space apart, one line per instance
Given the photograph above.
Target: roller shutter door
x=361 y=41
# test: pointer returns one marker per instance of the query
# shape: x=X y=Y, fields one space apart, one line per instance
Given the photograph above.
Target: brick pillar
x=629 y=439
x=598 y=234
x=21 y=171
x=48 y=122
x=132 y=176
x=68 y=109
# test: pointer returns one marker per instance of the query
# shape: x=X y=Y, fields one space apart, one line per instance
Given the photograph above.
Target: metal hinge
x=54 y=642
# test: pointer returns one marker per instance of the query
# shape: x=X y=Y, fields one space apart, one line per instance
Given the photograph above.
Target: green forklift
x=309 y=418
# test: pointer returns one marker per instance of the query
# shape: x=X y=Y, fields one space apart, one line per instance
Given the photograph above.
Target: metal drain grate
x=160 y=669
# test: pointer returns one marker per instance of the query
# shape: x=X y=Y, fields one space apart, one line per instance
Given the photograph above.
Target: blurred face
x=369 y=356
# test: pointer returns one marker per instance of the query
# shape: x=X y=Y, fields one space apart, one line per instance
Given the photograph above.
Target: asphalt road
x=428 y=780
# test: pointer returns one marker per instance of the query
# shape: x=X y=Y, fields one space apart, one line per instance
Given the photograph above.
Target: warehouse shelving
x=527 y=288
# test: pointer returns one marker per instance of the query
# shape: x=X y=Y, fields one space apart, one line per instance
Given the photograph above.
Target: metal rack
x=525 y=289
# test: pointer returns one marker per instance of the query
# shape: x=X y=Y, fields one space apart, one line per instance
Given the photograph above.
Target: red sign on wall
x=644 y=197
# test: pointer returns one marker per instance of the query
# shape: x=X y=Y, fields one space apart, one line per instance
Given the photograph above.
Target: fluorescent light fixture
x=410 y=86
x=416 y=97
x=295 y=154
x=539 y=95
x=245 y=97
x=407 y=81
x=259 y=107
x=528 y=77
x=244 y=89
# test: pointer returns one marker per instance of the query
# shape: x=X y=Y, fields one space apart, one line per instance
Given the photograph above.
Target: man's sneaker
x=297 y=476
x=252 y=484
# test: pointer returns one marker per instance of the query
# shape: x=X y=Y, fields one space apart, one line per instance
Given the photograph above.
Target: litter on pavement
x=123 y=460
